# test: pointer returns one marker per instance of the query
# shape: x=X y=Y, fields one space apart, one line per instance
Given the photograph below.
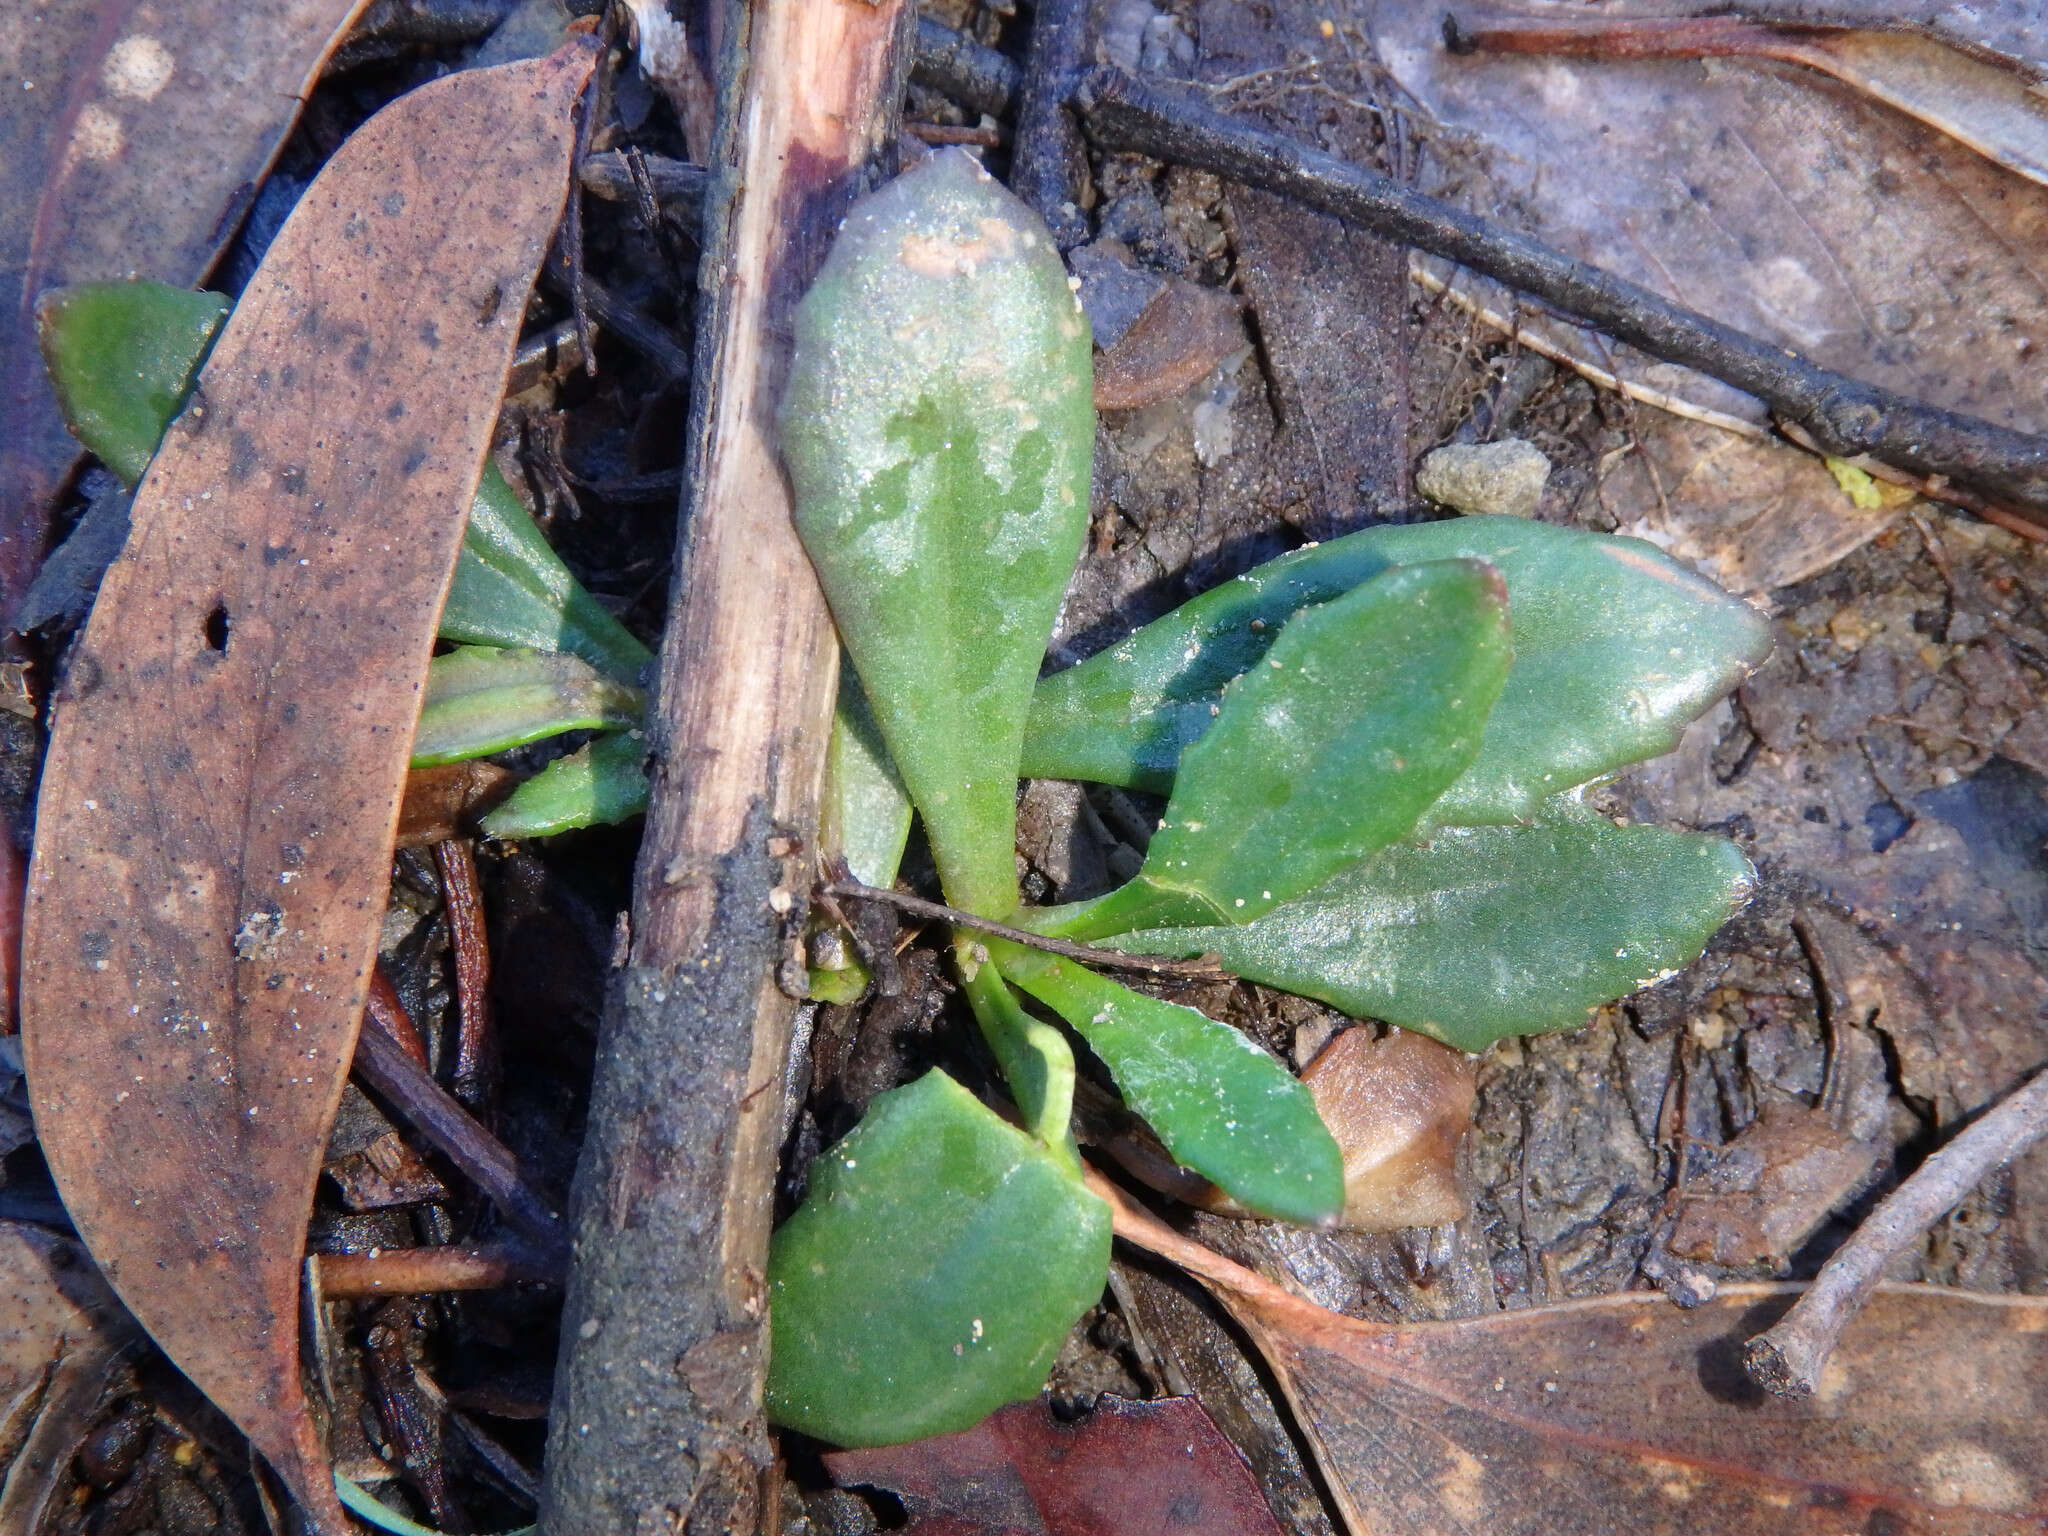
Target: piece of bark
x=1331 y=302
x=214 y=830
x=673 y=1195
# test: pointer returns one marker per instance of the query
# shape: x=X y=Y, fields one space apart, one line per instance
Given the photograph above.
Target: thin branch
x=428 y=1271
x=955 y=65
x=1788 y=1358
x=1845 y=416
x=1111 y=959
x=1047 y=158
x=475 y=1078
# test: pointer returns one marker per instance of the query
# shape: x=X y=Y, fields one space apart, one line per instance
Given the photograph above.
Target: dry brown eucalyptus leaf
x=1627 y=1413
x=216 y=815
x=133 y=137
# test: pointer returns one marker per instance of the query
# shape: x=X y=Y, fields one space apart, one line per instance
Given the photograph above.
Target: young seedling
x=539 y=655
x=1371 y=751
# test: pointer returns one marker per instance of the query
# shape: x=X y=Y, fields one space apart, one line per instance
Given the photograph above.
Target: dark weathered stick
x=678 y=185
x=387 y=1068
x=1789 y=1357
x=424 y=1271
x=979 y=78
x=1114 y=959
x=475 y=1078
x=657 y=1424
x=1845 y=416
x=1047 y=158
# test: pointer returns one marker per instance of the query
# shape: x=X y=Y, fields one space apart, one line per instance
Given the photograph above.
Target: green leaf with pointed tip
x=931 y=1273
x=1617 y=647
x=511 y=589
x=864 y=812
x=1356 y=719
x=479 y=701
x=1036 y=1060
x=122 y=357
x=598 y=784
x=1222 y=1106
x=1486 y=932
x=938 y=429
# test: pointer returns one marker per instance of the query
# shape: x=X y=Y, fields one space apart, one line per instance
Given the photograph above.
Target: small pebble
x=1507 y=476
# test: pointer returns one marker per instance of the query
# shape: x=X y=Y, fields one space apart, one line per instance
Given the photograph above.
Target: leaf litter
x=230 y=743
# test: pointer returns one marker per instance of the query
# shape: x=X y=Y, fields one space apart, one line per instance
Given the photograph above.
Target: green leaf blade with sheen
x=938 y=429
x=479 y=701
x=864 y=812
x=1222 y=1106
x=1617 y=648
x=599 y=784
x=1487 y=932
x=1331 y=747
x=931 y=1273
x=122 y=358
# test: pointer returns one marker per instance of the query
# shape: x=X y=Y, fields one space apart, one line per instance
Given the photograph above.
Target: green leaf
x=511 y=589
x=1345 y=732
x=864 y=812
x=359 y=1501
x=938 y=429
x=598 y=784
x=931 y=1273
x=1617 y=647
x=1222 y=1106
x=1485 y=932
x=1035 y=1058
x=479 y=701
x=122 y=357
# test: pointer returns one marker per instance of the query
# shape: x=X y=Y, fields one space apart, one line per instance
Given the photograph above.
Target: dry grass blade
x=1625 y=1413
x=132 y=138
x=230 y=745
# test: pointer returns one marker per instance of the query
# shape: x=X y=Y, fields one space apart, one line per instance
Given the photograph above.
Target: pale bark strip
x=657 y=1423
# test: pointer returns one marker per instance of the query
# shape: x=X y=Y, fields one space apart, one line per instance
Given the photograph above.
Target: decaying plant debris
x=1884 y=770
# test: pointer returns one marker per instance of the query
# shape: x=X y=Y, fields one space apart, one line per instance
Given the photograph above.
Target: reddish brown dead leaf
x=1128 y=1469
x=1184 y=332
x=132 y=138
x=1626 y=1413
x=61 y=1333
x=229 y=748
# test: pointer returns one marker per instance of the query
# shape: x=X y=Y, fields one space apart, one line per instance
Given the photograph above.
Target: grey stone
x=1507 y=476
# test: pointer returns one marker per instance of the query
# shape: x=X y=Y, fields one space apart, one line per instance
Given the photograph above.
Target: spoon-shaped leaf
x=931 y=1273
x=122 y=358
x=1222 y=1106
x=599 y=783
x=1617 y=647
x=938 y=430
x=1486 y=932
x=1326 y=750
x=479 y=701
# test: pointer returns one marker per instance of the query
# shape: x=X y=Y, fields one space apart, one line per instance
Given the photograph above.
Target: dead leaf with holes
x=133 y=137
x=229 y=747
x=1627 y=1413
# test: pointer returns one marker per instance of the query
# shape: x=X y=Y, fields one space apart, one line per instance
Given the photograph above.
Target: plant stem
x=1788 y=1358
x=1108 y=959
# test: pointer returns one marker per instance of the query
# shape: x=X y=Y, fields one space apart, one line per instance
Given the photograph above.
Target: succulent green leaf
x=1035 y=1058
x=938 y=429
x=479 y=701
x=931 y=1273
x=122 y=357
x=1222 y=1106
x=1327 y=749
x=598 y=784
x=511 y=589
x=1617 y=647
x=1485 y=932
x=864 y=812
